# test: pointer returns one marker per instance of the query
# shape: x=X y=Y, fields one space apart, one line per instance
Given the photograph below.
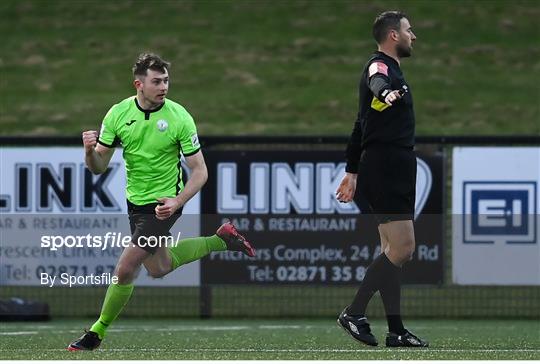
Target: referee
x=381 y=161
x=155 y=132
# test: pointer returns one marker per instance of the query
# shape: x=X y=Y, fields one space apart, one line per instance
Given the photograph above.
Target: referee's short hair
x=389 y=20
x=149 y=61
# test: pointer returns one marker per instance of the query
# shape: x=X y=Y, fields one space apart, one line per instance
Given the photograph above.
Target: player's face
x=155 y=86
x=406 y=39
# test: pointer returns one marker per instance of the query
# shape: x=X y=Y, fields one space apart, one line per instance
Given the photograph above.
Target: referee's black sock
x=391 y=296
x=375 y=276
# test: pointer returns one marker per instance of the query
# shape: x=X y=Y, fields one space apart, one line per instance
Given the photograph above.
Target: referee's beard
x=403 y=51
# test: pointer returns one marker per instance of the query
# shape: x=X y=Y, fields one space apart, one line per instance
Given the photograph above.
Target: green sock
x=116 y=298
x=188 y=250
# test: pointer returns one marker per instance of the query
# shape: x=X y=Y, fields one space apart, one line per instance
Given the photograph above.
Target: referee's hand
x=89 y=140
x=346 y=189
x=392 y=97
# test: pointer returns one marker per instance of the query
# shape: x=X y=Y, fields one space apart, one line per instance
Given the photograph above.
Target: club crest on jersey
x=162 y=125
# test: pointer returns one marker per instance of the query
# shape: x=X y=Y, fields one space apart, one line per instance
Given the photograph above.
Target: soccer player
x=154 y=132
x=380 y=158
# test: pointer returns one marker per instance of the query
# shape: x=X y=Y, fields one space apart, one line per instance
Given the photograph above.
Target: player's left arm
x=199 y=175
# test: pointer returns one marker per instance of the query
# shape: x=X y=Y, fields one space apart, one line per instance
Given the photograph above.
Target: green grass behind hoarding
x=267 y=67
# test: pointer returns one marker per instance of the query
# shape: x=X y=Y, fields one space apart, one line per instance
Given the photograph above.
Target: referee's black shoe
x=406 y=340
x=357 y=327
x=89 y=341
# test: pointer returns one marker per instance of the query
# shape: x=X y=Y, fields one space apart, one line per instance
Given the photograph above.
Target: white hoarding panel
x=47 y=193
x=495 y=202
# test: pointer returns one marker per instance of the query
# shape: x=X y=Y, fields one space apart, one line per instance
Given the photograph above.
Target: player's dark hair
x=149 y=61
x=389 y=20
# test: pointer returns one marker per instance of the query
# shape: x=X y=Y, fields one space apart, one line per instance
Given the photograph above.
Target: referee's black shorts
x=387 y=180
x=145 y=225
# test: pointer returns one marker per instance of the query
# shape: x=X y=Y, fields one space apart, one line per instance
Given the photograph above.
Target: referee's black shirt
x=378 y=123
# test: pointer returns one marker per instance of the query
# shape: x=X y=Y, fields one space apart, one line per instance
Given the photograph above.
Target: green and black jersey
x=152 y=141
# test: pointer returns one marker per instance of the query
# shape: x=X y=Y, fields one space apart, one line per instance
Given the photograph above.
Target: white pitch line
x=331 y=350
x=203 y=328
x=236 y=327
x=19 y=333
x=178 y=328
x=302 y=350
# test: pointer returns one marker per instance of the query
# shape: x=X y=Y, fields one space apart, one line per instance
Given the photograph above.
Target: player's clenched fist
x=89 y=139
x=167 y=207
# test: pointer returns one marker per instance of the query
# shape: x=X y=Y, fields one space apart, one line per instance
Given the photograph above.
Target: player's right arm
x=97 y=156
x=100 y=148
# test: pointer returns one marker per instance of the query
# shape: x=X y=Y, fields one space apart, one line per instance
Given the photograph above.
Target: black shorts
x=387 y=180
x=144 y=224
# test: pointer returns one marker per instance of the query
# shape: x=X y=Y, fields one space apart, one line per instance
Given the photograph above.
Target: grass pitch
x=268 y=339
x=267 y=67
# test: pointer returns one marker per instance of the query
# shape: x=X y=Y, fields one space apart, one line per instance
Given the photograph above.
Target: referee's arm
x=379 y=84
x=347 y=187
x=354 y=148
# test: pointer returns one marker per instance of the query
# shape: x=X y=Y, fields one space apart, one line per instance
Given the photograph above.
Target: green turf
x=269 y=339
x=267 y=67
